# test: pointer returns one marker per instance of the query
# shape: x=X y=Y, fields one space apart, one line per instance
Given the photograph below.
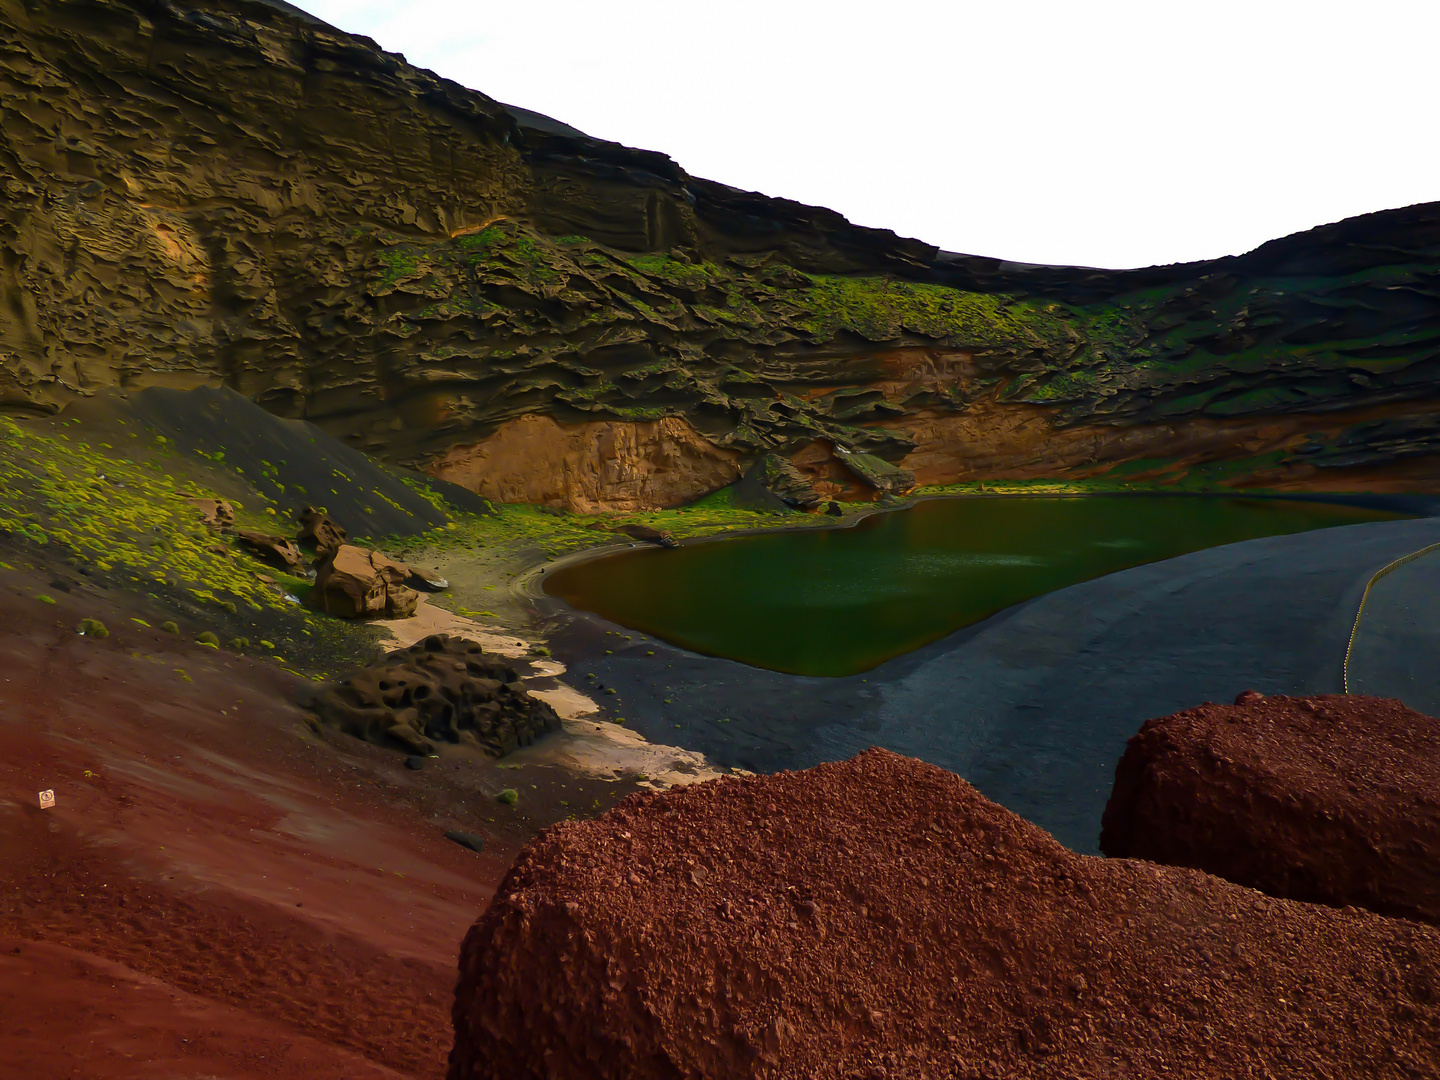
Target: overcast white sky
x=1105 y=133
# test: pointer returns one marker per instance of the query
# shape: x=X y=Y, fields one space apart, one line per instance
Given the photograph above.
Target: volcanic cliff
x=207 y=192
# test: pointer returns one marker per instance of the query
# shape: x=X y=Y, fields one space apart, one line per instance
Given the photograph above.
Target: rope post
x=1355 y=626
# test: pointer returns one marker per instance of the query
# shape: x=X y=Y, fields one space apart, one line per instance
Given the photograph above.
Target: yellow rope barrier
x=1355 y=627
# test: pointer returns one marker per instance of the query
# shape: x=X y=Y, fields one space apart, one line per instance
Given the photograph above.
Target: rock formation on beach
x=879 y=918
x=1332 y=799
x=439 y=689
x=229 y=192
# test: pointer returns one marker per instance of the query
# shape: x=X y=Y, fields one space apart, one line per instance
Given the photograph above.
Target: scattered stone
x=352 y=583
x=1333 y=799
x=320 y=529
x=93 y=628
x=442 y=688
x=509 y=797
x=275 y=550
x=426 y=580
x=648 y=534
x=265 y=579
x=466 y=839
x=880 y=918
x=880 y=474
x=216 y=513
x=170 y=627
x=207 y=637
x=415 y=761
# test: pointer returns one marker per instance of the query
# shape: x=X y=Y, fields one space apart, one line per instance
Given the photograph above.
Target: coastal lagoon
x=837 y=602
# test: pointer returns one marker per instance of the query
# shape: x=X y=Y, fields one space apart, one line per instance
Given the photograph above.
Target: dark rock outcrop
x=253 y=199
x=1332 y=799
x=880 y=918
x=319 y=530
x=275 y=550
x=648 y=533
x=440 y=689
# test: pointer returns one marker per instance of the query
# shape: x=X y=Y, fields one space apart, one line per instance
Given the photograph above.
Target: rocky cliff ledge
x=206 y=192
x=1331 y=799
x=879 y=918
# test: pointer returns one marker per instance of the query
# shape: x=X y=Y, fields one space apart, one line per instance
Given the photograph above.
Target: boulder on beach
x=1332 y=799
x=878 y=917
x=352 y=582
x=441 y=688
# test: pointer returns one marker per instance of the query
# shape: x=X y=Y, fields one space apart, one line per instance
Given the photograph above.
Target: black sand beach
x=1034 y=705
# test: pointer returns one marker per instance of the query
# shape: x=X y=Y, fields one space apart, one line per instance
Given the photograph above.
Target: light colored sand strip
x=429 y=620
x=590 y=747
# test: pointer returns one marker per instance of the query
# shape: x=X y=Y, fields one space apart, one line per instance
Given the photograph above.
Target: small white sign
x=47 y=799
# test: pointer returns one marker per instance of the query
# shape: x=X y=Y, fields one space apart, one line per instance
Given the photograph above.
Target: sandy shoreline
x=968 y=702
x=1034 y=705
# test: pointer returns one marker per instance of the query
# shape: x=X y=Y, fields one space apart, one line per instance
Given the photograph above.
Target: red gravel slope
x=879 y=918
x=1333 y=799
x=219 y=891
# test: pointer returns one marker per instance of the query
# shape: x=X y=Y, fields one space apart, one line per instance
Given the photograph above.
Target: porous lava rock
x=880 y=918
x=440 y=688
x=319 y=529
x=275 y=550
x=352 y=583
x=1332 y=799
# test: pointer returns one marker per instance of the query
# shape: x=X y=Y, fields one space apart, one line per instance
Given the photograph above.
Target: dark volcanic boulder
x=275 y=550
x=320 y=530
x=1332 y=799
x=880 y=918
x=442 y=688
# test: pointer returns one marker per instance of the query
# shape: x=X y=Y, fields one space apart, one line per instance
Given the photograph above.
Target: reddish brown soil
x=219 y=891
x=1332 y=799
x=879 y=918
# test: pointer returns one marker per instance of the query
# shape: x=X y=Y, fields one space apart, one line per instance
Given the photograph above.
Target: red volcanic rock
x=880 y=918
x=1333 y=799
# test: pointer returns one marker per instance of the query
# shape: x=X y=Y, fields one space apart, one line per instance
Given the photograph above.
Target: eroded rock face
x=440 y=688
x=253 y=199
x=352 y=583
x=878 y=917
x=602 y=465
x=1332 y=799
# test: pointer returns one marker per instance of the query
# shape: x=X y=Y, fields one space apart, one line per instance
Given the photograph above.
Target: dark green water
x=840 y=602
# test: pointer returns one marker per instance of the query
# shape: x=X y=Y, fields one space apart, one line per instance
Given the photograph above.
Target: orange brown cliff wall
x=586 y=467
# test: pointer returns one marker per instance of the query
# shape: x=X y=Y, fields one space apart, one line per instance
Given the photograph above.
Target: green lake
x=841 y=601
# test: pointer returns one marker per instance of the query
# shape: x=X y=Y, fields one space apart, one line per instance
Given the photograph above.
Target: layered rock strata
x=878 y=917
x=230 y=193
x=1331 y=800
